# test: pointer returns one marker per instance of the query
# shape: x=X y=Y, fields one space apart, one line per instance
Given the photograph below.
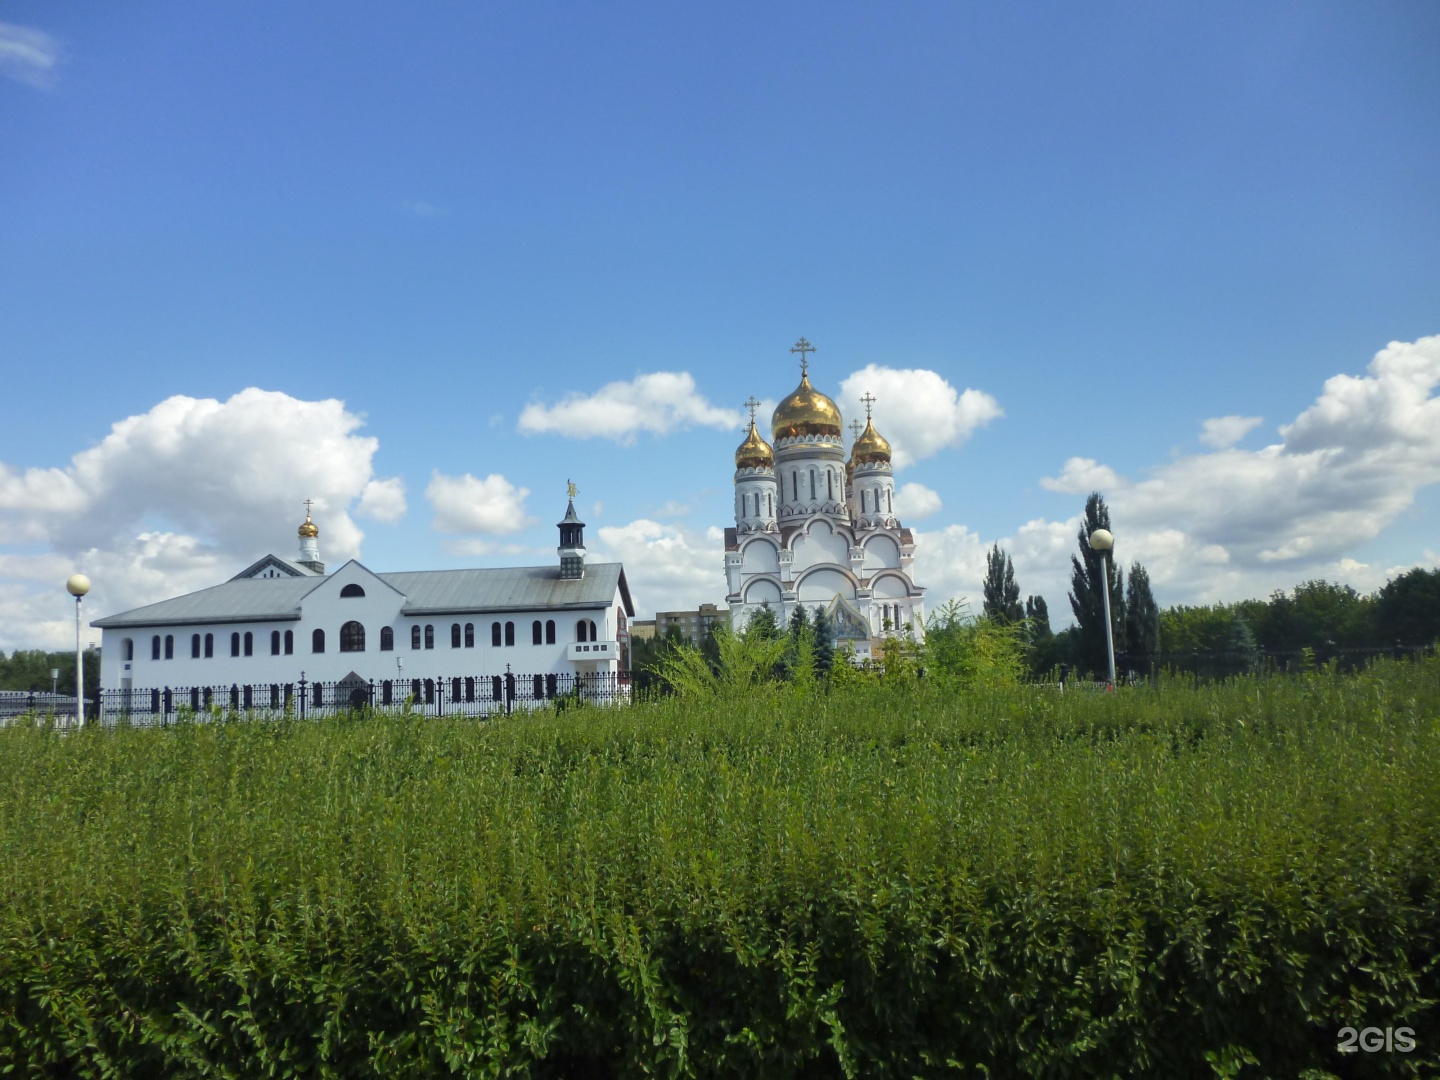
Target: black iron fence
x=461 y=695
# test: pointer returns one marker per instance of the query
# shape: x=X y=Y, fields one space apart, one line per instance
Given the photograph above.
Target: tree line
x=29 y=669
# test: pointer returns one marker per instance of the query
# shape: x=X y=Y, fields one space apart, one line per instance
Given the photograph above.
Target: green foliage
x=29 y=669
x=1142 y=620
x=1042 y=655
x=824 y=638
x=742 y=662
x=1088 y=583
x=974 y=653
x=1407 y=609
x=896 y=881
x=1002 y=594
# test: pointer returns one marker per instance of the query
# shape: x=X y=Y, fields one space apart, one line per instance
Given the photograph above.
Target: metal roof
x=427 y=592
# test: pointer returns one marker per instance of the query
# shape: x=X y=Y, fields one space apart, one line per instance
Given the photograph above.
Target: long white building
x=817 y=527
x=426 y=633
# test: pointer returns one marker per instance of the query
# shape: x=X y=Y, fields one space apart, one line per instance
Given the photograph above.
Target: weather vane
x=868 y=399
x=802 y=347
x=752 y=405
x=571 y=488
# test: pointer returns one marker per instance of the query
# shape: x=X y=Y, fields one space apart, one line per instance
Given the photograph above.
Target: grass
x=1199 y=881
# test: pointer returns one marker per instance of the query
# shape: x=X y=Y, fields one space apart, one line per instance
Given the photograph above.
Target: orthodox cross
x=752 y=405
x=571 y=488
x=802 y=347
x=308 y=503
x=856 y=427
x=868 y=399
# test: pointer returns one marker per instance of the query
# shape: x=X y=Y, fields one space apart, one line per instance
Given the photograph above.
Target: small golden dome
x=871 y=446
x=754 y=452
x=805 y=412
x=309 y=530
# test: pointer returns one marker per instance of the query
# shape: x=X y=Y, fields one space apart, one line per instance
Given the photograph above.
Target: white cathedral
x=815 y=528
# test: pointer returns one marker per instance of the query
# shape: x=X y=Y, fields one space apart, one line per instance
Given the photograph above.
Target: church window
x=535 y=632
x=289 y=643
x=455 y=635
x=317 y=641
x=351 y=590
x=795 y=484
x=812 y=483
x=352 y=637
x=494 y=635
x=387 y=639
x=194 y=646
x=549 y=631
x=249 y=643
x=769 y=510
x=235 y=644
x=129 y=649
x=429 y=636
x=581 y=631
x=889 y=508
x=415 y=636
x=169 y=646
x=469 y=635
x=830 y=483
x=210 y=645
x=274 y=642
x=155 y=647
x=509 y=634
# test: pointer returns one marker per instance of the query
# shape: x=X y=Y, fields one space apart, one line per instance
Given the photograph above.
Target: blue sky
x=1110 y=223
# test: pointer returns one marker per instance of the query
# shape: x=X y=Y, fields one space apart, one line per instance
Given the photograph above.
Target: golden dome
x=754 y=452
x=805 y=412
x=309 y=530
x=871 y=446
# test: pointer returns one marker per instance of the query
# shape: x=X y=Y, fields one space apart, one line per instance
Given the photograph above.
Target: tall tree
x=1002 y=595
x=824 y=642
x=1142 y=621
x=1407 y=609
x=1086 y=599
x=1041 y=653
x=763 y=624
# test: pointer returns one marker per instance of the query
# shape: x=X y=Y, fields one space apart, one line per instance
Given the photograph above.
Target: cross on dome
x=869 y=400
x=856 y=427
x=802 y=347
x=752 y=405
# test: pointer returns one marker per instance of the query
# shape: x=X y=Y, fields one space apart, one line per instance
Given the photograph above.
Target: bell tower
x=572 y=540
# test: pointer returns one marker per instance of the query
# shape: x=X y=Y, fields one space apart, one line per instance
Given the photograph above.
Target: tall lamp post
x=1102 y=540
x=78 y=586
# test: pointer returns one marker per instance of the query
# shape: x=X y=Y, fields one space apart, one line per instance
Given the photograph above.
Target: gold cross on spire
x=752 y=405
x=308 y=503
x=571 y=489
x=856 y=427
x=869 y=400
x=802 y=347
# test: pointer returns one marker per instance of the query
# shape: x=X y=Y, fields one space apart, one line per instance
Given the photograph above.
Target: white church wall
x=881 y=552
x=823 y=584
x=820 y=545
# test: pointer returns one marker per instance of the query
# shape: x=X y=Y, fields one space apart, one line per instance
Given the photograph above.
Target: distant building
x=692 y=625
x=642 y=629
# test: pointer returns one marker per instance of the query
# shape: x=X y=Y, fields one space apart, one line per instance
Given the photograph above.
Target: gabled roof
x=426 y=592
x=285 y=566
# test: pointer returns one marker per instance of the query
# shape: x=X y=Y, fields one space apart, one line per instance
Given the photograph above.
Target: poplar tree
x=1086 y=600
x=1142 y=621
x=1041 y=654
x=1002 y=594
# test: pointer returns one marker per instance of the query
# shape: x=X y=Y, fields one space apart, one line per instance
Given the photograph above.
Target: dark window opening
x=274 y=642
x=549 y=631
x=289 y=643
x=509 y=633
x=429 y=636
x=194 y=646
x=249 y=643
x=352 y=637
x=169 y=646
x=469 y=635
x=536 y=632
x=209 y=646
x=352 y=590
x=415 y=636
x=455 y=635
x=317 y=644
x=387 y=641
x=155 y=647
x=495 y=635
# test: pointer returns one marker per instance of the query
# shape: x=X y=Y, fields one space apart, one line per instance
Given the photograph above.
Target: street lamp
x=78 y=586
x=1102 y=540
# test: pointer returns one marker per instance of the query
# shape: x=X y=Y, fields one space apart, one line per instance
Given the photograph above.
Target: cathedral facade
x=815 y=525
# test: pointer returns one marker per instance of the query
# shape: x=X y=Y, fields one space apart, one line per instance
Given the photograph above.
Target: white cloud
x=1223 y=432
x=383 y=500
x=915 y=501
x=1081 y=476
x=27 y=55
x=464 y=504
x=667 y=565
x=178 y=498
x=917 y=410
x=658 y=403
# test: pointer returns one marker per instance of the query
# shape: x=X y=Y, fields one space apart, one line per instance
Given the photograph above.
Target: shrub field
x=891 y=880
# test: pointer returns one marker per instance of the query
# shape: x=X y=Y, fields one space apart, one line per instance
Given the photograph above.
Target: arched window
x=582 y=630
x=495 y=635
x=317 y=640
x=352 y=637
x=455 y=635
x=415 y=636
x=351 y=590
x=289 y=643
x=128 y=649
x=387 y=639
x=889 y=508
x=812 y=483
x=509 y=633
x=274 y=642
x=194 y=646
x=429 y=636
x=155 y=647
x=535 y=632
x=593 y=635
x=169 y=646
x=549 y=631
x=469 y=635
x=249 y=643
x=209 y=646
x=830 y=483
x=769 y=507
x=235 y=643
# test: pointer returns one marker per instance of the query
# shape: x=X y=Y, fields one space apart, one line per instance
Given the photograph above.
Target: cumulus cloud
x=1081 y=475
x=915 y=501
x=658 y=402
x=180 y=496
x=28 y=55
x=383 y=500
x=464 y=504
x=668 y=565
x=1223 y=432
x=917 y=410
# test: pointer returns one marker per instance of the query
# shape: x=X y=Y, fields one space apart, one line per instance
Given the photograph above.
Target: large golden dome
x=309 y=529
x=871 y=446
x=754 y=452
x=805 y=412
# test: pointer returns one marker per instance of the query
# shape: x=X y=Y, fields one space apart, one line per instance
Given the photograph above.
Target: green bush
x=890 y=881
